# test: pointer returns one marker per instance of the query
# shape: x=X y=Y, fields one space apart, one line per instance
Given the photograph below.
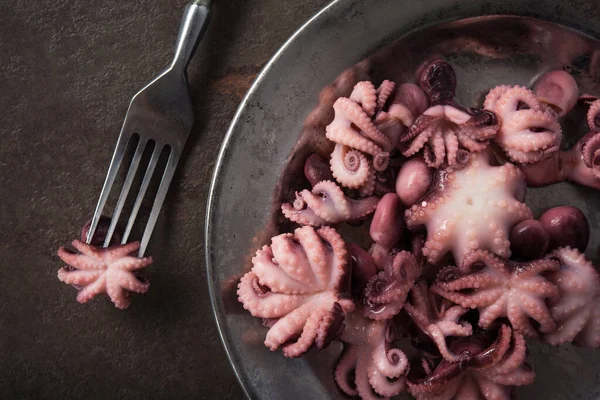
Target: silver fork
x=160 y=112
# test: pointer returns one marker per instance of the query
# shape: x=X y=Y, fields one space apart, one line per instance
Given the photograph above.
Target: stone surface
x=67 y=72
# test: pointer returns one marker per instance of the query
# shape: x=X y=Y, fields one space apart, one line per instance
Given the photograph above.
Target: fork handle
x=193 y=25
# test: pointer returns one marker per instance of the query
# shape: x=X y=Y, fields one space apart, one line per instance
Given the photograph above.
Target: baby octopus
x=447 y=132
x=365 y=134
x=378 y=370
x=527 y=134
x=95 y=270
x=437 y=318
x=472 y=208
x=498 y=288
x=577 y=311
x=486 y=370
x=302 y=280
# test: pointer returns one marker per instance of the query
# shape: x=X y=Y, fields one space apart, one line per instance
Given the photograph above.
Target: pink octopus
x=369 y=367
x=327 y=204
x=486 y=370
x=386 y=292
x=437 y=318
x=97 y=270
x=447 y=132
x=365 y=134
x=499 y=288
x=301 y=280
x=472 y=208
x=527 y=133
x=577 y=311
x=355 y=133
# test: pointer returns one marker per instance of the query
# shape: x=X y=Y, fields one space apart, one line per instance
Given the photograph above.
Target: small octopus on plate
x=365 y=134
x=487 y=370
x=447 y=132
x=472 y=208
x=355 y=134
x=327 y=204
x=95 y=270
x=437 y=318
x=369 y=366
x=577 y=311
x=501 y=288
x=386 y=292
x=527 y=133
x=301 y=280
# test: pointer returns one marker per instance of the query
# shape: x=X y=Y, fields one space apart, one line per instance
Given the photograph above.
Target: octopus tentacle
x=275 y=275
x=364 y=93
x=547 y=130
x=576 y=311
x=435 y=322
x=491 y=99
x=349 y=167
x=345 y=367
x=593 y=116
x=265 y=305
x=341 y=131
x=590 y=151
x=327 y=204
x=368 y=187
x=384 y=91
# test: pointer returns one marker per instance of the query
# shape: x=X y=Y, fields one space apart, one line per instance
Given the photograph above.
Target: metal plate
x=486 y=45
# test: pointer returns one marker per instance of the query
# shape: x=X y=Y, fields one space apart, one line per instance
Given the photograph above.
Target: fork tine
x=135 y=162
x=142 y=192
x=160 y=198
x=115 y=163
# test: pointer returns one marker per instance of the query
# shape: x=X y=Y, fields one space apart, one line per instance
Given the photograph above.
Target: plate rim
x=214 y=181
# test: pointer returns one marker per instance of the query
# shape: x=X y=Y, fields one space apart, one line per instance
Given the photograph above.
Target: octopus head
x=438 y=81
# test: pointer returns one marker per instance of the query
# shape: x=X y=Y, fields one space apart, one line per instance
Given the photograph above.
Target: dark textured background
x=68 y=69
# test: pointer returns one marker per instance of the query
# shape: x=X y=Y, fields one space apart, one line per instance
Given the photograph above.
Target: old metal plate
x=488 y=43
